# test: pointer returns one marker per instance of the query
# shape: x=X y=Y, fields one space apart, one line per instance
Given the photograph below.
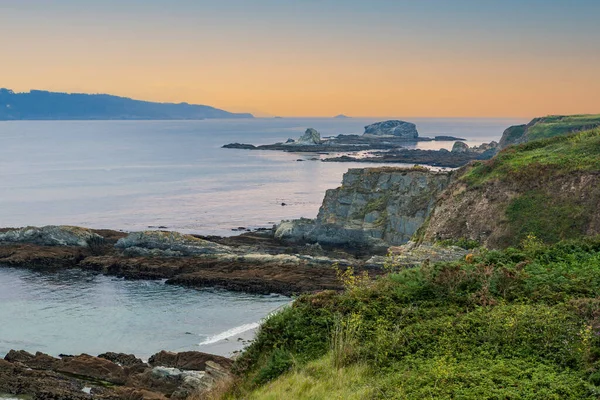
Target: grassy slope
x=535 y=169
x=517 y=324
x=552 y=126
x=558 y=155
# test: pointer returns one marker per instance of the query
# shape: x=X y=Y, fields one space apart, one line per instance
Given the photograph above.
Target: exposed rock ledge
x=251 y=262
x=168 y=375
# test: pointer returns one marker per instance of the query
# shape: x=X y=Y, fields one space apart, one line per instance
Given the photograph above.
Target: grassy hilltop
x=517 y=324
x=520 y=322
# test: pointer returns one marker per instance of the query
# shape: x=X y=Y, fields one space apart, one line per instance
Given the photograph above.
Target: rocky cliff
x=374 y=208
x=548 y=188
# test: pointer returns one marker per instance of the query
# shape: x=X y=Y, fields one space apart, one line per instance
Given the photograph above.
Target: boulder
x=93 y=367
x=126 y=360
x=51 y=235
x=395 y=128
x=37 y=361
x=460 y=147
x=187 y=360
x=167 y=244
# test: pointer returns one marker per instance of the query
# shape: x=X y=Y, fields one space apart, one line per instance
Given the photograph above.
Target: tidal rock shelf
x=251 y=263
x=111 y=375
x=385 y=135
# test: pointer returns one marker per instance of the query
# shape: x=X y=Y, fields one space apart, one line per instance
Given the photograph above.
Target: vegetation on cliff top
x=520 y=324
x=541 y=158
x=547 y=127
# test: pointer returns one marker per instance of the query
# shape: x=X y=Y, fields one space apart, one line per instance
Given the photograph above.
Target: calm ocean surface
x=133 y=174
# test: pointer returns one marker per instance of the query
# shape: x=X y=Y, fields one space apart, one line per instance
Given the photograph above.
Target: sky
x=425 y=58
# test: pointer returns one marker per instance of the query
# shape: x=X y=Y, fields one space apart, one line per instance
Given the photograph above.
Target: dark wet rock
x=36 y=256
x=446 y=138
x=436 y=158
x=93 y=367
x=187 y=360
x=37 y=361
x=122 y=359
x=242 y=146
x=403 y=129
x=65 y=379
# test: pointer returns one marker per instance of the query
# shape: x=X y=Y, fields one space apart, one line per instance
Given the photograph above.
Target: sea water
x=73 y=312
x=130 y=175
x=134 y=174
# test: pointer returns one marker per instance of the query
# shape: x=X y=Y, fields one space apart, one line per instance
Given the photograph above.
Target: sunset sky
x=519 y=58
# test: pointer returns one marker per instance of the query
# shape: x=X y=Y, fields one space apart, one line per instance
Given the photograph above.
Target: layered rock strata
x=373 y=209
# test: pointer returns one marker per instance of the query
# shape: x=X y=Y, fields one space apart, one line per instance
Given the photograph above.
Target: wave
x=229 y=333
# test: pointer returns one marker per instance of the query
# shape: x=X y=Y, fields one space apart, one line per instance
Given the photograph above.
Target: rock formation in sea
x=310 y=137
x=403 y=129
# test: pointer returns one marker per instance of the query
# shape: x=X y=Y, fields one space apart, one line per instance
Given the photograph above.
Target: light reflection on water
x=134 y=174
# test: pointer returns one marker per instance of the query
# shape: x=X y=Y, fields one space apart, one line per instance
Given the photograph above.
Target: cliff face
x=374 y=208
x=548 y=188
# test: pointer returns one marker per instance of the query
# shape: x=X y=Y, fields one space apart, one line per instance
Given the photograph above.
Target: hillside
x=547 y=127
x=517 y=324
x=43 y=105
x=549 y=188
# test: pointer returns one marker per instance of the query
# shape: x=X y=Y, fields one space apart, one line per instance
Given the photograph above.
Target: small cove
x=74 y=312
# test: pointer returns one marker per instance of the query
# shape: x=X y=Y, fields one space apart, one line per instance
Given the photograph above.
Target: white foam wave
x=229 y=333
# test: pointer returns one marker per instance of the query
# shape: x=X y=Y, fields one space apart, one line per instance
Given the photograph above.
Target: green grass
x=540 y=159
x=516 y=324
x=552 y=126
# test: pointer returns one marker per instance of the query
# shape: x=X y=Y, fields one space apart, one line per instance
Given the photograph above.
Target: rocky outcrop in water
x=50 y=236
x=86 y=377
x=167 y=244
x=310 y=137
x=402 y=129
x=373 y=209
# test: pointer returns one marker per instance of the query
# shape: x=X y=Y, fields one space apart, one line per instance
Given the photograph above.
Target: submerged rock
x=51 y=235
x=403 y=129
x=167 y=244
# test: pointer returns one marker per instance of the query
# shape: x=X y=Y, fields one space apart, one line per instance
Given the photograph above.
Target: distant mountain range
x=43 y=105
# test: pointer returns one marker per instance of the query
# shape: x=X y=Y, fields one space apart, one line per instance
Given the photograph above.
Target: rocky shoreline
x=374 y=213
x=110 y=376
x=251 y=263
